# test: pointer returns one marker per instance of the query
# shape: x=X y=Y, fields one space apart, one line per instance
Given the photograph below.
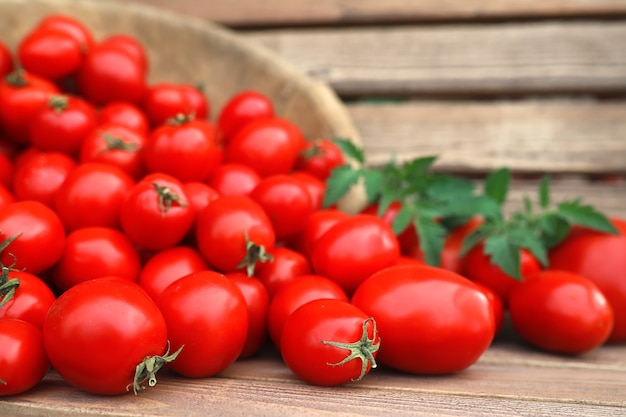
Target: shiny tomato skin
x=355 y=248
x=166 y=100
x=50 y=53
x=130 y=46
x=23 y=359
x=7 y=166
x=408 y=240
x=320 y=157
x=6 y=197
x=432 y=321
x=167 y=266
x=234 y=179
x=208 y=314
x=600 y=258
x=451 y=258
x=122 y=113
x=302 y=344
x=318 y=223
x=561 y=312
x=241 y=109
x=41 y=237
x=31 y=301
x=92 y=195
x=294 y=294
x=6 y=60
x=286 y=265
x=95 y=252
x=98 y=331
x=315 y=187
x=71 y=26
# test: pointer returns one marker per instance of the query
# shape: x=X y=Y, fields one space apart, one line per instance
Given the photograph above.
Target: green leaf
x=525 y=238
x=373 y=180
x=339 y=183
x=431 y=237
x=449 y=188
x=553 y=229
x=350 y=150
x=584 y=215
x=418 y=166
x=472 y=206
x=544 y=192
x=402 y=219
x=497 y=184
x=505 y=254
x=475 y=237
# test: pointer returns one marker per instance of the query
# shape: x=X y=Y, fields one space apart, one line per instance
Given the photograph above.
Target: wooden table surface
x=537 y=85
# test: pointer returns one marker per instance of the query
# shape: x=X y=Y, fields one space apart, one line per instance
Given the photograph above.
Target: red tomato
x=318 y=223
x=23 y=360
x=408 y=240
x=167 y=266
x=50 y=53
x=167 y=100
x=6 y=60
x=95 y=252
x=7 y=168
x=269 y=146
x=39 y=177
x=561 y=312
x=320 y=157
x=329 y=342
x=6 y=197
x=286 y=265
x=21 y=96
x=234 y=179
x=99 y=331
x=257 y=300
x=62 y=124
x=207 y=314
x=315 y=187
x=92 y=195
x=39 y=232
x=600 y=258
x=70 y=26
x=186 y=149
x=431 y=321
x=296 y=293
x=286 y=201
x=477 y=266
x=156 y=213
x=30 y=300
x=233 y=232
x=353 y=249
x=241 y=109
x=130 y=46
x=200 y=194
x=122 y=113
x=116 y=145
x=451 y=258
x=496 y=302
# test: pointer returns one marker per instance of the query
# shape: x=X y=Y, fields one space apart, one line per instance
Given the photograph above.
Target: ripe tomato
x=233 y=232
x=167 y=266
x=6 y=60
x=130 y=46
x=286 y=201
x=6 y=197
x=23 y=360
x=286 y=265
x=71 y=26
x=95 y=252
x=234 y=179
x=318 y=223
x=122 y=113
x=451 y=258
x=241 y=109
x=167 y=100
x=561 y=312
x=40 y=176
x=62 y=124
x=315 y=187
x=329 y=342
x=320 y=157
x=269 y=146
x=40 y=236
x=28 y=297
x=408 y=240
x=50 y=53
x=296 y=293
x=156 y=213
x=258 y=302
x=92 y=195
x=600 y=258
x=7 y=168
x=432 y=321
x=99 y=331
x=353 y=249
x=207 y=314
x=185 y=148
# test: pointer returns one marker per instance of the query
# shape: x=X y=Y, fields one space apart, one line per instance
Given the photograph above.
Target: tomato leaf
x=554 y=228
x=350 y=150
x=402 y=219
x=432 y=237
x=584 y=215
x=497 y=184
x=504 y=253
x=525 y=238
x=373 y=180
x=339 y=183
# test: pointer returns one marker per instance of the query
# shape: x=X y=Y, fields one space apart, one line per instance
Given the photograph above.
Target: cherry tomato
x=329 y=342
x=92 y=195
x=431 y=321
x=122 y=113
x=184 y=148
x=95 y=252
x=156 y=213
x=50 y=53
x=130 y=46
x=39 y=236
x=207 y=315
x=6 y=197
x=286 y=265
x=167 y=266
x=408 y=240
x=99 y=331
x=600 y=258
x=269 y=146
x=233 y=232
x=241 y=109
x=167 y=100
x=561 y=312
x=315 y=187
x=315 y=226
x=7 y=168
x=353 y=249
x=24 y=296
x=234 y=179
x=71 y=26
x=6 y=60
x=320 y=157
x=23 y=360
x=296 y=293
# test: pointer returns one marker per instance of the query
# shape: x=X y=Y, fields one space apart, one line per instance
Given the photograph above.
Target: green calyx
x=58 y=102
x=166 y=198
x=180 y=119
x=254 y=253
x=146 y=370
x=114 y=143
x=363 y=349
x=17 y=78
x=7 y=286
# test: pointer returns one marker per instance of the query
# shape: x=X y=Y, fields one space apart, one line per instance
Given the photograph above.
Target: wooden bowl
x=187 y=49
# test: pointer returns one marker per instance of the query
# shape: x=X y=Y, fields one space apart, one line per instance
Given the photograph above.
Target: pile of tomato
x=139 y=232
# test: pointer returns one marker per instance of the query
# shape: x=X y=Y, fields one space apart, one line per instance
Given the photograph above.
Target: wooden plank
x=559 y=136
x=451 y=60
x=244 y=13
